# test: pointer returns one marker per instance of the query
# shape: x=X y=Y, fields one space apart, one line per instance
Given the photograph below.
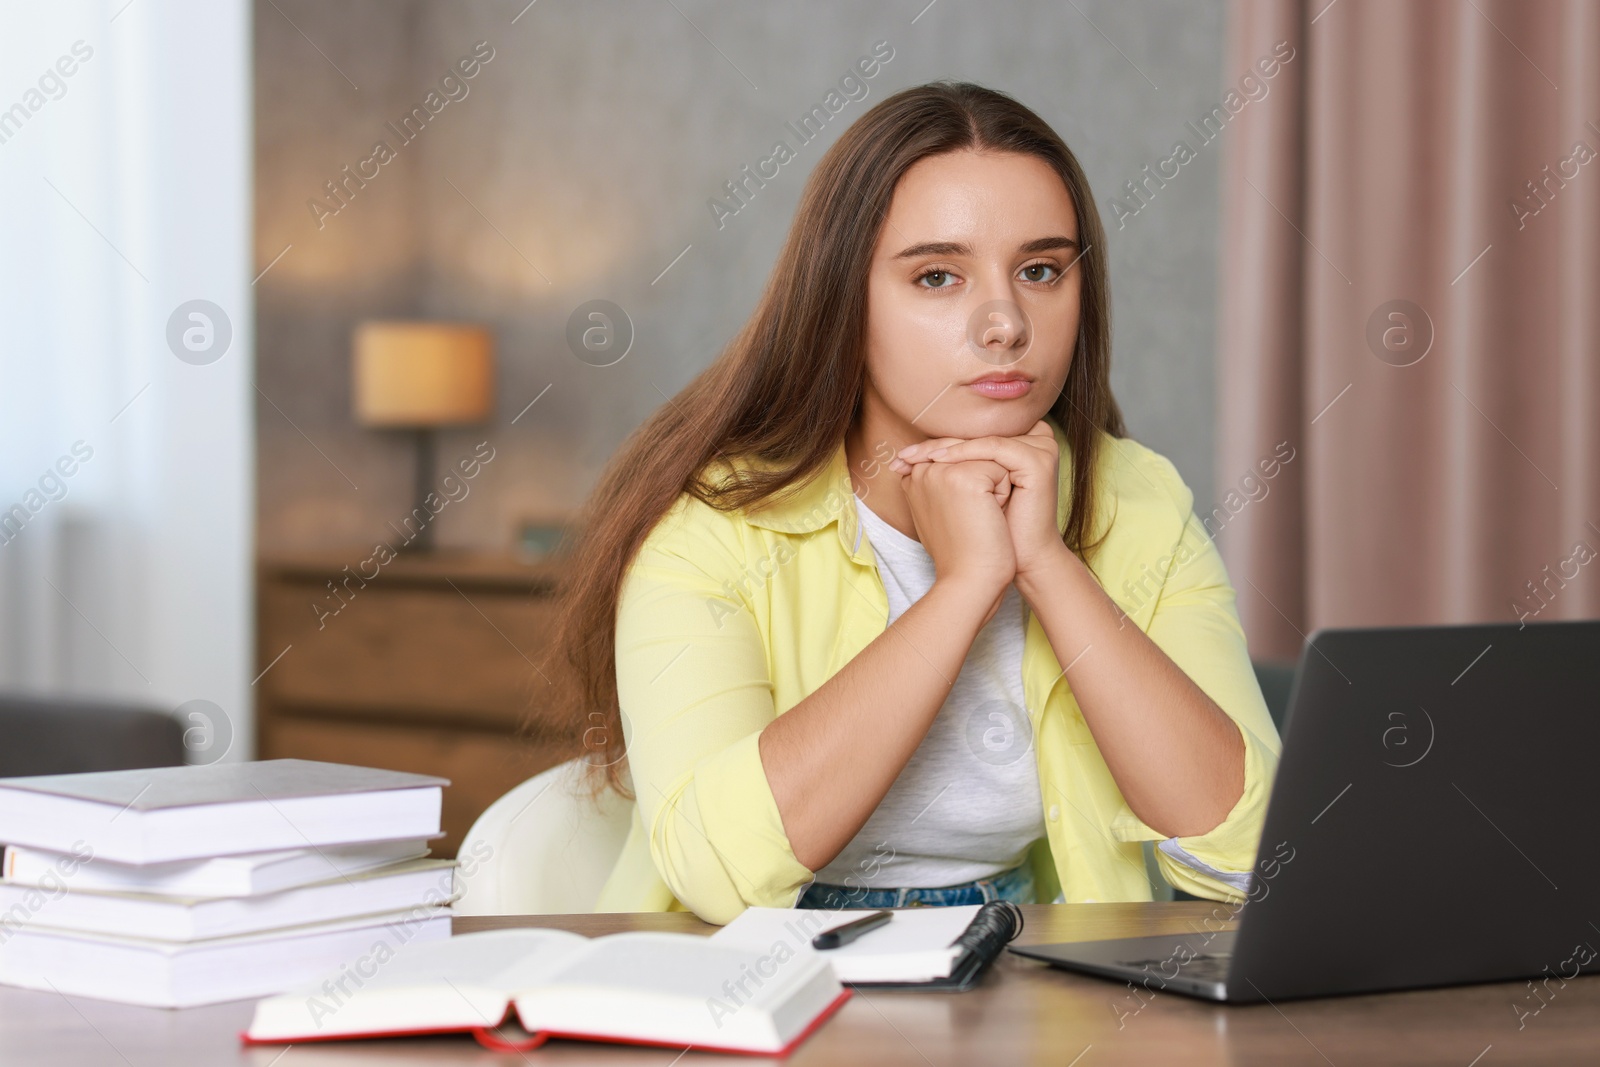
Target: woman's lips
x=1008 y=389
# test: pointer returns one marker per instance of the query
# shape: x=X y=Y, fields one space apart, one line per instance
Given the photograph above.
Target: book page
x=676 y=965
x=502 y=960
x=456 y=983
x=679 y=988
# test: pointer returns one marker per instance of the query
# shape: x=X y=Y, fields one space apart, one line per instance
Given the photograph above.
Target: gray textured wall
x=579 y=166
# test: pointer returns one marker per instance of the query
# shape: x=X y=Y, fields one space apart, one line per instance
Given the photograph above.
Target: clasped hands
x=1009 y=487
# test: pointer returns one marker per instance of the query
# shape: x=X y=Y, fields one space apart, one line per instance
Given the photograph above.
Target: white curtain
x=126 y=472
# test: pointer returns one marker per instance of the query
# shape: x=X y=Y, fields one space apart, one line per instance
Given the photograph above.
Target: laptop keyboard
x=1210 y=967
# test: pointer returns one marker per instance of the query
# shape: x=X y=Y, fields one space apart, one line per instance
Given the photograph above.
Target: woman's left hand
x=1033 y=463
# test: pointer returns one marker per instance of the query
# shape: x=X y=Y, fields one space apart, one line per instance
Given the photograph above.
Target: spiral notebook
x=932 y=948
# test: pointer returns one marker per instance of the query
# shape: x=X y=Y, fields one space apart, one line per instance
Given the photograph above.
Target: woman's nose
x=999 y=331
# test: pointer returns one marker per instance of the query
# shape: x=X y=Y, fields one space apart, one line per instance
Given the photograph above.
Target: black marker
x=840 y=936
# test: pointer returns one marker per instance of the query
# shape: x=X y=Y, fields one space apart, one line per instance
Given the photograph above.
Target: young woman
x=884 y=608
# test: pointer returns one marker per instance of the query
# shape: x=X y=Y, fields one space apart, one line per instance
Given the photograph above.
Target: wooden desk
x=1025 y=1013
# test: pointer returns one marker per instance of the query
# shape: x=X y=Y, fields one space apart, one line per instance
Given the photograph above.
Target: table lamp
x=419 y=376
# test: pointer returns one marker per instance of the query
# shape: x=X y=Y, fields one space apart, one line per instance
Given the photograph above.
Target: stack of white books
x=178 y=886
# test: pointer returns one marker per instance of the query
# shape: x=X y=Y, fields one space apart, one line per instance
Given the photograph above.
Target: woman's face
x=972 y=297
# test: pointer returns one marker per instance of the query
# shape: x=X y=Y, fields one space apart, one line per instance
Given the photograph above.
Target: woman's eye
x=1035 y=273
x=935 y=279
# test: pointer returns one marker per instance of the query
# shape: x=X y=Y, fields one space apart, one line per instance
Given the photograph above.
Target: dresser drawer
x=407 y=652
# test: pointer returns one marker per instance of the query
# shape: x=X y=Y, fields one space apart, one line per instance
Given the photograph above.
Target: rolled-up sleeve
x=1196 y=623
x=695 y=693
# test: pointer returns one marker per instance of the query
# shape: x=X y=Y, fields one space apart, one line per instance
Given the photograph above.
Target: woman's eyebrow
x=1046 y=244
x=957 y=248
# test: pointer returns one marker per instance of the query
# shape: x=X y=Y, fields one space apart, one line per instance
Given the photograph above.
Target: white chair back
x=545 y=848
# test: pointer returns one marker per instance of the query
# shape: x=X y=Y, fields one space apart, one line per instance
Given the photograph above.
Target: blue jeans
x=1015 y=885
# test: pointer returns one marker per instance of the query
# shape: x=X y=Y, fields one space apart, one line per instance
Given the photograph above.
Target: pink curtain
x=1410 y=276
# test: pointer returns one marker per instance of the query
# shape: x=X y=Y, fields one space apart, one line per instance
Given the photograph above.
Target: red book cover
x=487 y=1037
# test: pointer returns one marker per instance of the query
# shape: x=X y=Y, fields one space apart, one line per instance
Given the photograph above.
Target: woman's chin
x=1005 y=419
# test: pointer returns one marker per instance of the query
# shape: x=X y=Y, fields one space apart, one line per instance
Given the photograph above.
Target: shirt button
x=1055 y=812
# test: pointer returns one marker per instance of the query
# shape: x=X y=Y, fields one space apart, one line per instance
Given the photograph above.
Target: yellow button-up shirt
x=728 y=619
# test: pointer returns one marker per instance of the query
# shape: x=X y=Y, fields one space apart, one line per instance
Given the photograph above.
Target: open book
x=645 y=988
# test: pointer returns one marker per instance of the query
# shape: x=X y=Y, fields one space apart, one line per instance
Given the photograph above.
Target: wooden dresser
x=428 y=666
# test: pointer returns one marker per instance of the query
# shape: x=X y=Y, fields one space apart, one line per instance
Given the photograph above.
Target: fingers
x=899 y=465
x=1026 y=453
x=985 y=475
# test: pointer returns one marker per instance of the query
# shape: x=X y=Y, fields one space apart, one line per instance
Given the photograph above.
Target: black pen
x=840 y=936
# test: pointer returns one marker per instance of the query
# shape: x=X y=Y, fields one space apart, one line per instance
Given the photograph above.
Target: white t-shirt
x=967 y=804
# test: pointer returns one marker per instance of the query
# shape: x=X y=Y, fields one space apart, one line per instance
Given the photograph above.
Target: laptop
x=1429 y=825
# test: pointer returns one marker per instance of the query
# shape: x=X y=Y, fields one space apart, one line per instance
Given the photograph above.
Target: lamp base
x=417 y=527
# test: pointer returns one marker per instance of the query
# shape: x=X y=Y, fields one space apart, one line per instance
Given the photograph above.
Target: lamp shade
x=421 y=374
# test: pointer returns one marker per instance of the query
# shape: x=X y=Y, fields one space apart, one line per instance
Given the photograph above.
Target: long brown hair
x=789 y=385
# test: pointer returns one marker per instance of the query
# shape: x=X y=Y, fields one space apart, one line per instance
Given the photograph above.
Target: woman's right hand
x=957 y=508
